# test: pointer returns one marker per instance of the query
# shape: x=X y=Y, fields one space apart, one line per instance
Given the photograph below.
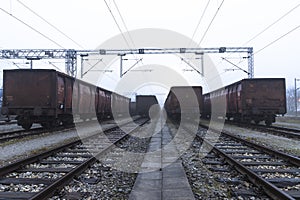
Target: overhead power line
x=268 y=27
x=45 y=36
x=211 y=23
x=208 y=25
x=199 y=22
x=271 y=43
x=278 y=39
x=124 y=23
x=50 y=24
x=235 y=65
x=117 y=23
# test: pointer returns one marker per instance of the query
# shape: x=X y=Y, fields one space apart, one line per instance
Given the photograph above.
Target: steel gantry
x=71 y=55
x=197 y=51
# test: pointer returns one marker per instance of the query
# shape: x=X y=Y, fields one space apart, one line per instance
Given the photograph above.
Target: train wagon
x=184 y=100
x=49 y=98
x=206 y=111
x=120 y=105
x=1 y=93
x=144 y=103
x=1 y=116
x=103 y=103
x=132 y=108
x=259 y=99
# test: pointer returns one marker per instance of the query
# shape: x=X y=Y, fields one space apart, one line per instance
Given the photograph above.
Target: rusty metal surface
x=49 y=97
x=33 y=90
x=143 y=104
x=262 y=95
x=181 y=99
x=250 y=99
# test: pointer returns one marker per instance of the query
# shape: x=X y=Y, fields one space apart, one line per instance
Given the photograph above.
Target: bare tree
x=290 y=100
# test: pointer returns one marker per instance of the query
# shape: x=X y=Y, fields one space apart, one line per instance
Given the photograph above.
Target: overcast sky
x=90 y=23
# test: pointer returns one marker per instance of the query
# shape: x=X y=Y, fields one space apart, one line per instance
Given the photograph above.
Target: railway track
x=5 y=122
x=47 y=172
x=275 y=130
x=282 y=131
x=276 y=173
x=19 y=134
x=6 y=136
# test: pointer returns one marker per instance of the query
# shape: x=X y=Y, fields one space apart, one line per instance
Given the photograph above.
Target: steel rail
x=286 y=157
x=270 y=189
x=58 y=184
x=51 y=189
x=275 y=130
x=17 y=164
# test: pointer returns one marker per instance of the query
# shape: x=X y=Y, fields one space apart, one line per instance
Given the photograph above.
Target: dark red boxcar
x=259 y=99
x=144 y=103
x=183 y=100
x=49 y=97
x=103 y=103
x=34 y=95
x=120 y=105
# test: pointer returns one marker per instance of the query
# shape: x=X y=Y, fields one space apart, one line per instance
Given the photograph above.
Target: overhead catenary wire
x=207 y=29
x=125 y=26
x=269 y=26
x=32 y=28
x=50 y=24
x=51 y=63
x=199 y=22
x=271 y=43
x=216 y=13
x=279 y=38
x=115 y=20
x=123 y=21
x=11 y=62
x=272 y=24
x=265 y=29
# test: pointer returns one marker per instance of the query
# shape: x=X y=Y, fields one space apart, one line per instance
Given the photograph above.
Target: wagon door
x=75 y=98
x=101 y=103
x=232 y=100
x=229 y=99
x=69 y=94
x=239 y=98
x=60 y=105
x=108 y=98
x=29 y=92
x=84 y=99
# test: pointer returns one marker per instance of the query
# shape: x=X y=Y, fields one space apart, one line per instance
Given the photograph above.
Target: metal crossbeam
x=34 y=53
x=70 y=55
x=197 y=51
x=170 y=50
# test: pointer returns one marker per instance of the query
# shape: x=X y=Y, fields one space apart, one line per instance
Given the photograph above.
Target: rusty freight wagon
x=259 y=99
x=50 y=98
x=144 y=103
x=184 y=100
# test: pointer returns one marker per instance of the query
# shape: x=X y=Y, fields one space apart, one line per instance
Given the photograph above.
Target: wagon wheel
x=8 y=119
x=27 y=125
x=46 y=125
x=67 y=122
x=268 y=122
x=256 y=121
x=247 y=121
